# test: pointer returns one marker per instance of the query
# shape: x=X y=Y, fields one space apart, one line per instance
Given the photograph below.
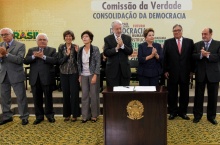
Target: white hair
x=7 y=29
x=42 y=34
x=116 y=22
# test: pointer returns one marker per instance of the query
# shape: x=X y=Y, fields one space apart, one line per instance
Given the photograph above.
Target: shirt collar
x=208 y=42
x=181 y=39
x=116 y=36
x=10 y=42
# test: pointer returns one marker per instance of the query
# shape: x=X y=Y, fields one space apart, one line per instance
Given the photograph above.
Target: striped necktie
x=7 y=46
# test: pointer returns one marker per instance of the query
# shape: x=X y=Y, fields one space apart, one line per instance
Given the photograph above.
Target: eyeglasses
x=42 y=39
x=5 y=35
x=177 y=30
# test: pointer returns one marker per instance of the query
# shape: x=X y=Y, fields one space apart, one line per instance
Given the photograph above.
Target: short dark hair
x=210 y=30
x=178 y=25
x=146 y=31
x=68 y=32
x=89 y=33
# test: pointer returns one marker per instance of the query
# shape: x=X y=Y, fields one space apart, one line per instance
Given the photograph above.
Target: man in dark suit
x=206 y=54
x=178 y=66
x=102 y=70
x=42 y=60
x=12 y=75
x=117 y=49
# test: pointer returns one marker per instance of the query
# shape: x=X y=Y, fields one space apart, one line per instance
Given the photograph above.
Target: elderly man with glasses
x=178 y=67
x=12 y=75
x=42 y=59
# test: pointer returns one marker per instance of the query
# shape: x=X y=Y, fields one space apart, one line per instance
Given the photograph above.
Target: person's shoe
x=93 y=120
x=172 y=116
x=24 y=121
x=184 y=117
x=37 y=121
x=84 y=121
x=73 y=119
x=51 y=120
x=213 y=121
x=66 y=119
x=6 y=121
x=196 y=120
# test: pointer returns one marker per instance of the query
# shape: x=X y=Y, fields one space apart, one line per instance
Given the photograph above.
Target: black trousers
x=102 y=76
x=173 y=98
x=119 y=80
x=212 y=89
x=148 y=81
x=38 y=90
x=70 y=88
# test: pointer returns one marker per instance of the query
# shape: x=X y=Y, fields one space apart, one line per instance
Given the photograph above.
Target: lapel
x=123 y=37
x=35 y=49
x=113 y=40
x=201 y=45
x=211 y=45
x=45 y=51
x=183 y=49
x=12 y=46
x=175 y=46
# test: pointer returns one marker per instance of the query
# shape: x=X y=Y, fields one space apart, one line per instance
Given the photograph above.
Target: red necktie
x=179 y=46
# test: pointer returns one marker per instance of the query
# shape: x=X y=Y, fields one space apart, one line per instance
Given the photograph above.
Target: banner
x=28 y=18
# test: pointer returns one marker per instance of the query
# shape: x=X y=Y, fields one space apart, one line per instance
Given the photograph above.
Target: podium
x=135 y=118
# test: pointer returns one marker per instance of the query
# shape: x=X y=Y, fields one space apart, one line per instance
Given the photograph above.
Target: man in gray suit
x=42 y=60
x=12 y=75
x=207 y=55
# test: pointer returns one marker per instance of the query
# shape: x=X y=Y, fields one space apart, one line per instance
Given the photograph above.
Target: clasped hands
x=68 y=50
x=3 y=51
x=204 y=53
x=153 y=54
x=38 y=54
x=120 y=43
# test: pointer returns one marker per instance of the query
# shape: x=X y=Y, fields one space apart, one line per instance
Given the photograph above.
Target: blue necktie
x=206 y=46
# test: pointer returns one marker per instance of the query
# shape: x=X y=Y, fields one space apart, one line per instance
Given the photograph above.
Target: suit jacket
x=13 y=63
x=43 y=68
x=152 y=67
x=63 y=60
x=116 y=59
x=94 y=60
x=205 y=66
x=178 y=65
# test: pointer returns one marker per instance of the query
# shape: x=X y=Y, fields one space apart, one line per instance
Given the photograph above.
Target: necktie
x=179 y=46
x=40 y=49
x=7 y=46
x=206 y=46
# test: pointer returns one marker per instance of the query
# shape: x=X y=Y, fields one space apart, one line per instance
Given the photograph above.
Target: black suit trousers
x=119 y=80
x=173 y=98
x=212 y=89
x=38 y=90
x=70 y=88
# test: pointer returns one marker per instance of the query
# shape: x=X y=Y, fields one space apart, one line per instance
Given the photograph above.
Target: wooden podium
x=135 y=118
